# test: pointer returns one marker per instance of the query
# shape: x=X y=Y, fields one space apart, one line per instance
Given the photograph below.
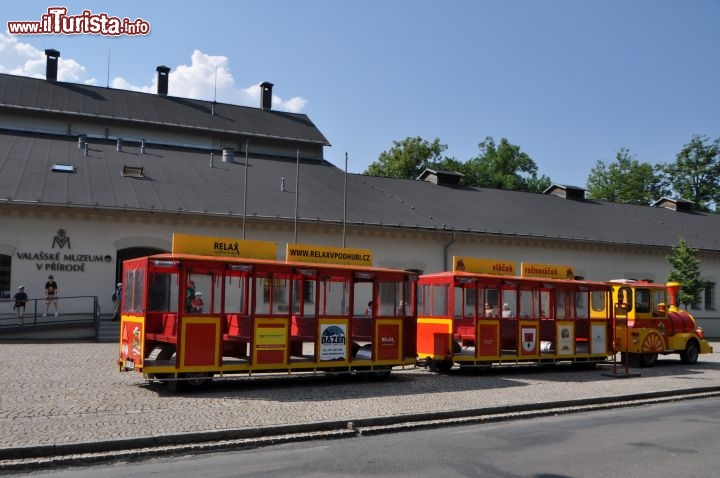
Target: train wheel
x=440 y=366
x=196 y=380
x=632 y=360
x=648 y=360
x=444 y=366
x=651 y=346
x=166 y=352
x=690 y=355
x=382 y=373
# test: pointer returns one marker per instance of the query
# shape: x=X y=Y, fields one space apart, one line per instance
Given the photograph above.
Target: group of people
x=51 y=296
x=505 y=313
x=193 y=299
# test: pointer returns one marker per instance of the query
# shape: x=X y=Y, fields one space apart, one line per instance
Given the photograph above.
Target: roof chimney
x=52 y=64
x=266 y=95
x=163 y=73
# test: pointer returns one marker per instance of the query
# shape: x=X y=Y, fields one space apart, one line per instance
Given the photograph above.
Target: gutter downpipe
x=445 y=251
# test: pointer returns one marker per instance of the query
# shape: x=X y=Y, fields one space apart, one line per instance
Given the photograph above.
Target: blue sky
x=569 y=81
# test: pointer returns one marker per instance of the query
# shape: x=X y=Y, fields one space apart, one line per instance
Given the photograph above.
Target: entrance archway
x=132 y=253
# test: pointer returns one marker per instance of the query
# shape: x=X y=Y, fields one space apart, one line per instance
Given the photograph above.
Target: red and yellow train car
x=483 y=314
x=191 y=317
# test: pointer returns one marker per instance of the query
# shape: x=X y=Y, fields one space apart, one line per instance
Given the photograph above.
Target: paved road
x=57 y=395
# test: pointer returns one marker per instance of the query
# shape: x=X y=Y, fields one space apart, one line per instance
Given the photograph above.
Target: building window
x=5 y=262
x=709 y=296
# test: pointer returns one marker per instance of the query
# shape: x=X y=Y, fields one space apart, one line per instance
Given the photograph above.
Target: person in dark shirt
x=51 y=288
x=21 y=299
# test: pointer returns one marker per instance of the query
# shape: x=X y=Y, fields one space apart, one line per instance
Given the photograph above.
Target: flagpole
x=247 y=142
x=345 y=200
x=297 y=182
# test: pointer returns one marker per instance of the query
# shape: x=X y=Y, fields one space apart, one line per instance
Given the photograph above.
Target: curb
x=45 y=456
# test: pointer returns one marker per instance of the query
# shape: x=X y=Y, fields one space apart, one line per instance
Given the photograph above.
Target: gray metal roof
x=107 y=104
x=182 y=180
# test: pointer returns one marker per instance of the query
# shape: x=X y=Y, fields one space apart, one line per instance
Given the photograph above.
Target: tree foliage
x=500 y=166
x=504 y=166
x=686 y=271
x=407 y=158
x=627 y=180
x=695 y=174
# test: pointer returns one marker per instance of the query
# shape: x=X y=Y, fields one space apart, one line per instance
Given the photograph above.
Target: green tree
x=695 y=174
x=627 y=180
x=686 y=271
x=407 y=158
x=504 y=166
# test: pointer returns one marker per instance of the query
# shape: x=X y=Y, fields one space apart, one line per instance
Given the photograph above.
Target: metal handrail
x=70 y=309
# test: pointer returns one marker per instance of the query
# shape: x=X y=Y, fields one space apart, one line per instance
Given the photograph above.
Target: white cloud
x=23 y=59
x=207 y=77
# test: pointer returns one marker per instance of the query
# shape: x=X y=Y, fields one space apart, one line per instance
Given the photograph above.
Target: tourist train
x=217 y=308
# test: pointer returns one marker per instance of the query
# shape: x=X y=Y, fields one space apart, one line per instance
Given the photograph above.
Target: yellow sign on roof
x=547 y=271
x=328 y=255
x=223 y=246
x=483 y=266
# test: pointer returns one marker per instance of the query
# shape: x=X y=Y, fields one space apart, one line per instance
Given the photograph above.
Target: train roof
x=269 y=262
x=501 y=278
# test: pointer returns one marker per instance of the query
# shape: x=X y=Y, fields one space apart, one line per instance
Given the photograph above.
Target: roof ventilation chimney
x=163 y=72
x=228 y=155
x=282 y=184
x=52 y=64
x=82 y=139
x=567 y=192
x=266 y=95
x=142 y=146
x=119 y=145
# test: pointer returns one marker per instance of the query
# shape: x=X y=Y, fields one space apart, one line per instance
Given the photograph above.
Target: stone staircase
x=108 y=331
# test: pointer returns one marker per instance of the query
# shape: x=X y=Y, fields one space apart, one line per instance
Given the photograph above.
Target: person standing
x=51 y=288
x=21 y=299
x=189 y=296
x=116 y=297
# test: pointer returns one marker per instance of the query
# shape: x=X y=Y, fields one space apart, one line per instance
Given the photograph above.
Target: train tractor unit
x=649 y=323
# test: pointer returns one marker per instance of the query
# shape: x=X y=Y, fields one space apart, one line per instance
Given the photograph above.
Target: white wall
x=33 y=229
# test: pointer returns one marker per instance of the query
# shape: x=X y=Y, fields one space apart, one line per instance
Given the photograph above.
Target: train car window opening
x=334 y=296
x=362 y=295
x=410 y=297
x=509 y=297
x=392 y=299
x=439 y=300
x=582 y=303
x=546 y=305
x=459 y=297
x=304 y=297
x=263 y=291
x=134 y=291
x=659 y=303
x=491 y=298
x=625 y=298
x=200 y=292
x=236 y=294
x=564 y=301
x=598 y=300
x=163 y=292
x=529 y=304
x=642 y=301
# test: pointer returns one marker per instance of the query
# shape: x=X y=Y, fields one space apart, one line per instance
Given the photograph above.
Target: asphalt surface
x=66 y=403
